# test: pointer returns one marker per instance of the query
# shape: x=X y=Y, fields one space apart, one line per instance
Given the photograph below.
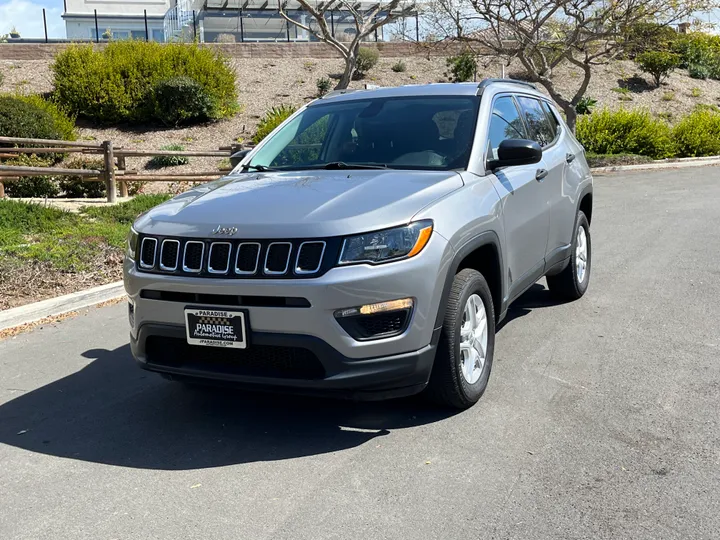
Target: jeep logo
x=228 y=231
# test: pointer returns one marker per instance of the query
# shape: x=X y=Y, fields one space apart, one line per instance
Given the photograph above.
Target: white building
x=125 y=19
x=204 y=20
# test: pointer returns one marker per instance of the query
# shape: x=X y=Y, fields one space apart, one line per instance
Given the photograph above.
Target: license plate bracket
x=225 y=328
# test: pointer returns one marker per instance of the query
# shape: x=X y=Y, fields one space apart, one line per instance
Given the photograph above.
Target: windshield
x=432 y=133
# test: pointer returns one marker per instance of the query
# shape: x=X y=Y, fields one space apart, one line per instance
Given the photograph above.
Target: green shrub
x=625 y=132
x=117 y=83
x=625 y=93
x=2 y=78
x=181 y=100
x=77 y=188
x=31 y=186
x=585 y=105
x=699 y=71
x=399 y=67
x=648 y=36
x=158 y=162
x=323 y=86
x=698 y=134
x=659 y=64
x=461 y=67
x=668 y=96
x=367 y=58
x=272 y=119
x=34 y=118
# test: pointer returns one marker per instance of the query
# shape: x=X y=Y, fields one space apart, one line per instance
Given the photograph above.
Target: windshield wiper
x=259 y=168
x=342 y=165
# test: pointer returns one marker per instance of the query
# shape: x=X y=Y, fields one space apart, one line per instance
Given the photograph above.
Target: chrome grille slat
x=298 y=268
x=257 y=258
x=167 y=267
x=143 y=258
x=187 y=268
x=269 y=251
x=210 y=267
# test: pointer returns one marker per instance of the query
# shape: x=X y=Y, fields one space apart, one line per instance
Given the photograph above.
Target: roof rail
x=340 y=92
x=487 y=82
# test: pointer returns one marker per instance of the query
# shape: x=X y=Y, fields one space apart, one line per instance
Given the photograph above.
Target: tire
x=449 y=385
x=567 y=284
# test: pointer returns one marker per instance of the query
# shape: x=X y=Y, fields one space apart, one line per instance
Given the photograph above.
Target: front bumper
x=348 y=365
x=373 y=378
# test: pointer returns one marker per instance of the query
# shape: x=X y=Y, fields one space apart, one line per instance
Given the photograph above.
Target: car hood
x=300 y=204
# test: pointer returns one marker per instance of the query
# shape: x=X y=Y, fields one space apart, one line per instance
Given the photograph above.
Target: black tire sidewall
x=476 y=285
x=581 y=221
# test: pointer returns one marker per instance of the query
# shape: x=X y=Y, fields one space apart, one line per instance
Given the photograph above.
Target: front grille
x=239 y=259
x=219 y=258
x=193 y=256
x=169 y=255
x=256 y=361
x=147 y=252
x=309 y=257
x=277 y=258
x=246 y=260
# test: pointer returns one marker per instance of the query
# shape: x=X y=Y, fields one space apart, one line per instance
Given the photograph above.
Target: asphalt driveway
x=602 y=419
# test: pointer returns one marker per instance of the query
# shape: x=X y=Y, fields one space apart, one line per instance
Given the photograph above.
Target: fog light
x=376 y=321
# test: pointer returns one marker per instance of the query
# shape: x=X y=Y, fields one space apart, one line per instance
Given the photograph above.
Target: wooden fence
x=114 y=172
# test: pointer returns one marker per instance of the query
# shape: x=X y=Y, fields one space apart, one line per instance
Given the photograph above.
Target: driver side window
x=505 y=123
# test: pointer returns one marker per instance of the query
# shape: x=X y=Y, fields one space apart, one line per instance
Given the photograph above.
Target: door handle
x=569 y=157
x=540 y=175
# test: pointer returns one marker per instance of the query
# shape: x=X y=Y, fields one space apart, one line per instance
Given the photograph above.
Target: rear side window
x=505 y=123
x=552 y=118
x=539 y=126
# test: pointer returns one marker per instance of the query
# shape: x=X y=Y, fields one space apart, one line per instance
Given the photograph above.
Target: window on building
x=158 y=35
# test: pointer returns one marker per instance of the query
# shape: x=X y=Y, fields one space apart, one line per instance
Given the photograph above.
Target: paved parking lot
x=602 y=419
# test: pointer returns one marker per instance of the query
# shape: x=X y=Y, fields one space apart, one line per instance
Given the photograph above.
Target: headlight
x=387 y=245
x=132 y=244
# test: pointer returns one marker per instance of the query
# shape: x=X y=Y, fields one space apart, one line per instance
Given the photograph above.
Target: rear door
x=525 y=215
x=546 y=133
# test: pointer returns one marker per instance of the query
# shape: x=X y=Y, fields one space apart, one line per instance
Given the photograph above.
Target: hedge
x=119 y=83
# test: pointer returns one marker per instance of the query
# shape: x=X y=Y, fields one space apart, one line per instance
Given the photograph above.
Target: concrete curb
x=659 y=165
x=59 y=305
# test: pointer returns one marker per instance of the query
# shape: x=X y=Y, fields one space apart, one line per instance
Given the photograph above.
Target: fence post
x=147 y=35
x=97 y=30
x=2 y=191
x=45 y=25
x=417 y=27
x=121 y=183
x=109 y=171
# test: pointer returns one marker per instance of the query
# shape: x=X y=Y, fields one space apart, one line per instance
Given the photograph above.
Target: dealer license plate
x=216 y=328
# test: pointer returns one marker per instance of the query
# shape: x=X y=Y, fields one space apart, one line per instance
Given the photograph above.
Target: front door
x=521 y=189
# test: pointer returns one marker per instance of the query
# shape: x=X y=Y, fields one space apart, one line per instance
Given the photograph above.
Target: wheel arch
x=586 y=203
x=482 y=253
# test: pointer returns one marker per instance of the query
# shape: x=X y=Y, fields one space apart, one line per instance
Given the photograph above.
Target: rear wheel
x=465 y=352
x=573 y=281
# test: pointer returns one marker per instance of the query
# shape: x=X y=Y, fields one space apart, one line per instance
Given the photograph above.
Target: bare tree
x=365 y=22
x=542 y=34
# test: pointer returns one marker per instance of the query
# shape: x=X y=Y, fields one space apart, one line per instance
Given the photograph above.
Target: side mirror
x=237 y=157
x=517 y=152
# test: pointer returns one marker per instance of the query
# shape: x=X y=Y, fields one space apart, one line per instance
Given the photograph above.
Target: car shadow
x=113 y=413
x=537 y=296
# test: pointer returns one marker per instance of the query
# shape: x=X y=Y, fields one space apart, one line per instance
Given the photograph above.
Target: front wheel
x=465 y=352
x=573 y=281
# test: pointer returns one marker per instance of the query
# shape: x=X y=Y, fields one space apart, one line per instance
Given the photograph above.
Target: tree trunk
x=570 y=117
x=350 y=62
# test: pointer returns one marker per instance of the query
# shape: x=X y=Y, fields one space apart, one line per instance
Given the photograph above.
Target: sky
x=26 y=16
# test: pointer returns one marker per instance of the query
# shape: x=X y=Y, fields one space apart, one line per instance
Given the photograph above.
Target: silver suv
x=368 y=247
